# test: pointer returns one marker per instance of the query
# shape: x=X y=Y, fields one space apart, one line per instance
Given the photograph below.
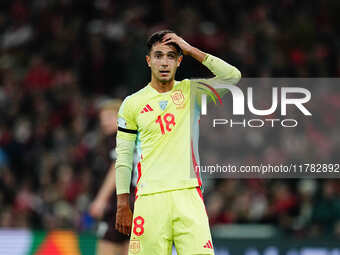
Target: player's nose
x=164 y=62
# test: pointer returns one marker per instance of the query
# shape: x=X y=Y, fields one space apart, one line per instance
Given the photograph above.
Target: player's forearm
x=197 y=54
x=123 y=176
x=221 y=69
x=109 y=184
x=124 y=162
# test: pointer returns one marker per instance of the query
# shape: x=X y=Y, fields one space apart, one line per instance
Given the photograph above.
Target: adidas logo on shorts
x=208 y=245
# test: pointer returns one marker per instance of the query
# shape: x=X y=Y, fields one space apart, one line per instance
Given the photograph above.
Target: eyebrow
x=169 y=52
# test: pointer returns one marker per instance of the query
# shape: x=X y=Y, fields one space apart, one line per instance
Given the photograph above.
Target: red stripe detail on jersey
x=210 y=244
x=195 y=165
x=149 y=107
x=199 y=192
x=139 y=168
x=213 y=90
x=145 y=109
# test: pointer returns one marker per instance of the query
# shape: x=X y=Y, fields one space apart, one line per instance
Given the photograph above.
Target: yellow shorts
x=174 y=217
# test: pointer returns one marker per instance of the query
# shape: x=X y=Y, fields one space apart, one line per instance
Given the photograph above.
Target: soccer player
x=104 y=205
x=161 y=121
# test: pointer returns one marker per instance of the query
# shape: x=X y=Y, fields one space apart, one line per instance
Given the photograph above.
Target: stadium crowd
x=60 y=58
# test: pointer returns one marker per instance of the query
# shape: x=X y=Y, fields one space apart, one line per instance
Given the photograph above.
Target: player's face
x=163 y=61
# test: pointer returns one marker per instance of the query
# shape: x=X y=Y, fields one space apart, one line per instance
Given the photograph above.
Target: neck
x=161 y=87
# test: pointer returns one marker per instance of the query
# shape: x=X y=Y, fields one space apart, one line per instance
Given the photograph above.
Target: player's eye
x=158 y=56
x=172 y=56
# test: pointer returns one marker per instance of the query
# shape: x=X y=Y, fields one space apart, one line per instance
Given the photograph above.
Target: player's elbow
x=237 y=75
x=124 y=163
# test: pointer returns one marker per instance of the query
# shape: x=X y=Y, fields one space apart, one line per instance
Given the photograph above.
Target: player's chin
x=165 y=79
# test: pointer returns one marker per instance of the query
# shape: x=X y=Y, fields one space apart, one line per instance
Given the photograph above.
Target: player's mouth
x=164 y=73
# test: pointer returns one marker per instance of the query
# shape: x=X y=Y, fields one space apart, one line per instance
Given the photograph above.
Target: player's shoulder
x=140 y=93
x=183 y=83
x=135 y=98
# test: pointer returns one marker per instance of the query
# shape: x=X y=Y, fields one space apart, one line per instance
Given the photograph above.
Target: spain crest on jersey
x=177 y=97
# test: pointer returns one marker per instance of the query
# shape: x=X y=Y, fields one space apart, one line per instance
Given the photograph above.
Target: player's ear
x=179 y=60
x=148 y=59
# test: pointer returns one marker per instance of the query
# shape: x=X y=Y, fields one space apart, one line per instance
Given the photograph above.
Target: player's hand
x=97 y=208
x=173 y=38
x=124 y=219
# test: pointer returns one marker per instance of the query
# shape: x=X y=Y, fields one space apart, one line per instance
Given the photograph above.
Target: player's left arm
x=221 y=69
x=224 y=72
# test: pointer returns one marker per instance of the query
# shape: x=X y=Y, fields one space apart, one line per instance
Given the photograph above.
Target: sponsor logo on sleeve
x=121 y=122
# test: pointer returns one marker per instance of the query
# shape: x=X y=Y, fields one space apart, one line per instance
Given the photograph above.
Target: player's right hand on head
x=173 y=38
x=124 y=219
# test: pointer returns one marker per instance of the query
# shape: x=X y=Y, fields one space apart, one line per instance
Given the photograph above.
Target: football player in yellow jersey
x=161 y=121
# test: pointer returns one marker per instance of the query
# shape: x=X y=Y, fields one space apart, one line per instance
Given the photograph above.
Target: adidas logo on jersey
x=208 y=245
x=147 y=108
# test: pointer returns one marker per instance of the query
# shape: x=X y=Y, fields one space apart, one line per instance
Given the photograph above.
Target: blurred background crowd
x=59 y=59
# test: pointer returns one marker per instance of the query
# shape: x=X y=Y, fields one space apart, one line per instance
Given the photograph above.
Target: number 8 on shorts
x=138 y=228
